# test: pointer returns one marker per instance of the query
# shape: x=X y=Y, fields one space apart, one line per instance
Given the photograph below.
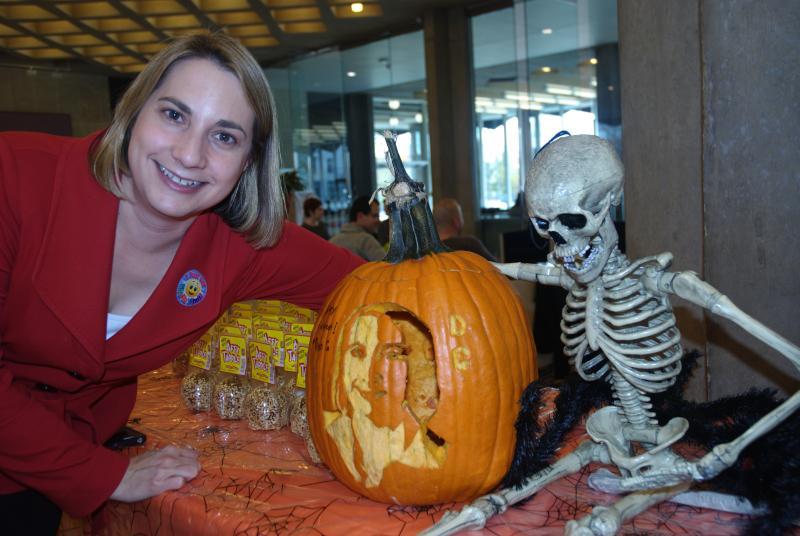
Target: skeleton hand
x=472 y=517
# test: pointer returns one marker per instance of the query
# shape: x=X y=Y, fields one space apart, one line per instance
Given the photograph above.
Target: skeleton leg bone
x=723 y=456
x=720 y=458
x=475 y=515
x=607 y=520
x=608 y=482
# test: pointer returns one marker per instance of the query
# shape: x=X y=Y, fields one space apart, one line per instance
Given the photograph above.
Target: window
x=500 y=169
x=535 y=74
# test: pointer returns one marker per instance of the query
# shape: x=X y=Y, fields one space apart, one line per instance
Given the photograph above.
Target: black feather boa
x=767 y=472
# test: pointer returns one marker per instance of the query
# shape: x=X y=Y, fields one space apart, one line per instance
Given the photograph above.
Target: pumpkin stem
x=413 y=234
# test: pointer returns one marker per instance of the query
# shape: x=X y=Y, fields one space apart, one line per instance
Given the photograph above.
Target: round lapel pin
x=192 y=288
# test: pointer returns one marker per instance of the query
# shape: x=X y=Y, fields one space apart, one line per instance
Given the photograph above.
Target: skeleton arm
x=544 y=273
x=690 y=287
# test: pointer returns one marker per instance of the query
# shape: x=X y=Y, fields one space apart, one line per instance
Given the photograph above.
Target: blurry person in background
x=358 y=235
x=312 y=217
x=449 y=219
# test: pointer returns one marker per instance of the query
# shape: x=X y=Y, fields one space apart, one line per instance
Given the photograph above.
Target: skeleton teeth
x=583 y=262
x=176 y=179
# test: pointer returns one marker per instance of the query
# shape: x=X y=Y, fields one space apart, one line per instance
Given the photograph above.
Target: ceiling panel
x=236 y=18
x=144 y=8
x=120 y=36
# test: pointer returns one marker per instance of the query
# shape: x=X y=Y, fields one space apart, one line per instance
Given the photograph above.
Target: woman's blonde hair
x=255 y=207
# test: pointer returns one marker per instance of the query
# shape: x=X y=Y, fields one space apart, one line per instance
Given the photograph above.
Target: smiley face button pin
x=192 y=288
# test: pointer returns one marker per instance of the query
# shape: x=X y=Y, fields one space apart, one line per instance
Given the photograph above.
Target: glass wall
x=540 y=66
x=536 y=71
x=392 y=73
x=333 y=108
x=309 y=99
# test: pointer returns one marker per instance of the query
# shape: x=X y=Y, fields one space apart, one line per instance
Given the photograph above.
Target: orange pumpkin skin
x=412 y=444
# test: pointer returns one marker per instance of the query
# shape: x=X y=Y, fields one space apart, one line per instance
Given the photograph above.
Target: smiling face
x=190 y=142
x=193 y=288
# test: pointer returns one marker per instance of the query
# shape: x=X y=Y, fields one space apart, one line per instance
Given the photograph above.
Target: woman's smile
x=183 y=184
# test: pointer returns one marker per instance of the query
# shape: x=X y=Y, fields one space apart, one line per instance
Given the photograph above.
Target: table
x=255 y=482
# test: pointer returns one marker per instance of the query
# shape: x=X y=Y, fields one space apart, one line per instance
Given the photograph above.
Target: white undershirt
x=114 y=323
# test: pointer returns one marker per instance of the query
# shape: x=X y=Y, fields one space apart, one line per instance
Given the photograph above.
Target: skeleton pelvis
x=606 y=426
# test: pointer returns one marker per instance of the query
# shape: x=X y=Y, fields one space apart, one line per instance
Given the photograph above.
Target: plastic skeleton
x=617 y=325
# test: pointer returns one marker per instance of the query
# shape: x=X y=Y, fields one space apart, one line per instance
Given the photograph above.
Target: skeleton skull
x=569 y=190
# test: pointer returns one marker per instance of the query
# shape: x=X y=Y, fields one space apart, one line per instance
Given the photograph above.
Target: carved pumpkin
x=416 y=367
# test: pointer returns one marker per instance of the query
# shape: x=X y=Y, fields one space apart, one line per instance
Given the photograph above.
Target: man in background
x=449 y=219
x=358 y=235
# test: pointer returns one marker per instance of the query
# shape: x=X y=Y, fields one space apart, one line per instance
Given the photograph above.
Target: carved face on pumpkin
x=387 y=354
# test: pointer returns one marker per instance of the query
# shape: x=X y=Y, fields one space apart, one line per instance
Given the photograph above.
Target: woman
x=148 y=231
x=312 y=217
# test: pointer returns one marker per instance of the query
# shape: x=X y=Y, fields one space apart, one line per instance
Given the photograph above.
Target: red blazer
x=57 y=228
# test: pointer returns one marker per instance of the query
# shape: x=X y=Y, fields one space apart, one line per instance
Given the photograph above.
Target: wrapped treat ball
x=266 y=408
x=196 y=388
x=229 y=395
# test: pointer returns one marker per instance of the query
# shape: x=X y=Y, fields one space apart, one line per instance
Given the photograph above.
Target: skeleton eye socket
x=572 y=221
x=541 y=224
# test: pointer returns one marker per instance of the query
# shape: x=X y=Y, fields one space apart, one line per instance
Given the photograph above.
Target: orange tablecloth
x=264 y=483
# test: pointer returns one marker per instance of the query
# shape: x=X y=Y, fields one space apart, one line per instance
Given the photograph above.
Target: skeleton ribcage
x=631 y=340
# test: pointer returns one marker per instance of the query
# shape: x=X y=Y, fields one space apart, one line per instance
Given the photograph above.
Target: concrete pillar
x=451 y=98
x=360 y=142
x=711 y=124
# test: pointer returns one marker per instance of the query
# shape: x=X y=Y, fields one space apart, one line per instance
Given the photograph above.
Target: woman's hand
x=157 y=471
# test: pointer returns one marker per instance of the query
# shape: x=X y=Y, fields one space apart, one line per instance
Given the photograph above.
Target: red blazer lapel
x=168 y=315
x=73 y=269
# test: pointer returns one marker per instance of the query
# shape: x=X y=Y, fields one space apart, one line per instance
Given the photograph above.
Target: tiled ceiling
x=119 y=36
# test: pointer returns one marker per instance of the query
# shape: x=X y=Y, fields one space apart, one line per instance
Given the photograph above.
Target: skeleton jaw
x=580 y=258
x=588 y=264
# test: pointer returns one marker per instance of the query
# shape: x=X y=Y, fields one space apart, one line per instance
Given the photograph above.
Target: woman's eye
x=172 y=115
x=542 y=224
x=226 y=138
